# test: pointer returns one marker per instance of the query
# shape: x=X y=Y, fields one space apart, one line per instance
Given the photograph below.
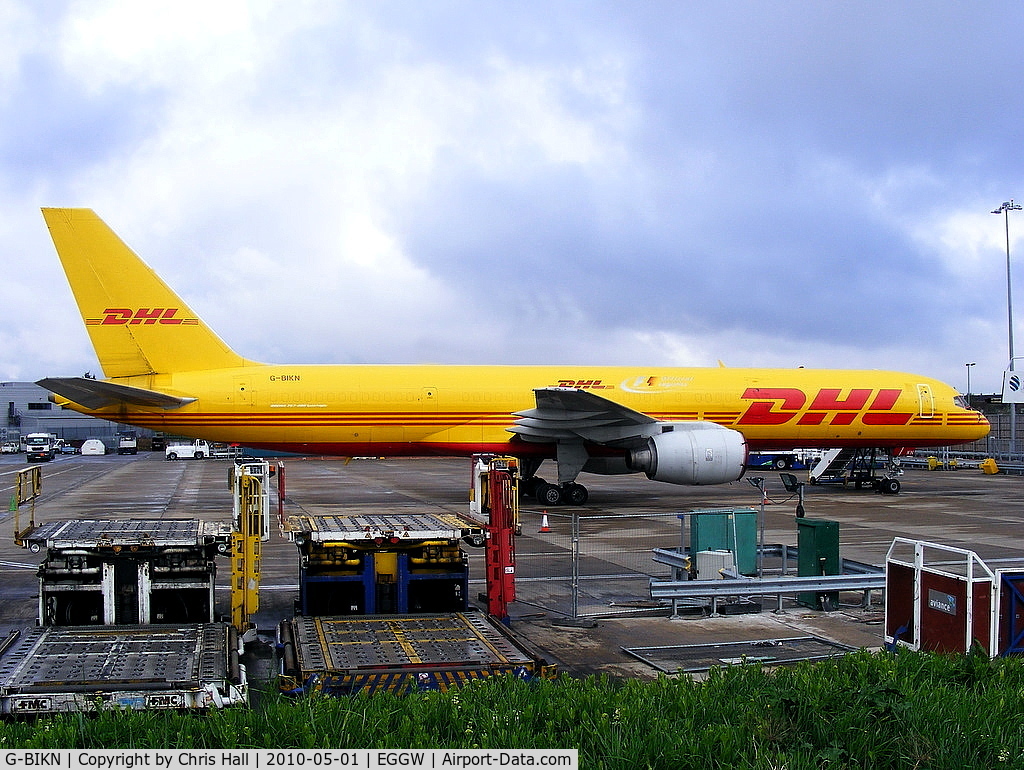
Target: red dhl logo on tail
x=120 y=316
x=777 y=406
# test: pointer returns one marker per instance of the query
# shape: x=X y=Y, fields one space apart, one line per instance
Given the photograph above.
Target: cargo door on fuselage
x=427 y=424
x=925 y=401
x=402 y=416
x=432 y=429
x=242 y=395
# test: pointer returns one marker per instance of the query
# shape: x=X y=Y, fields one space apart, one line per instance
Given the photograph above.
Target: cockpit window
x=961 y=401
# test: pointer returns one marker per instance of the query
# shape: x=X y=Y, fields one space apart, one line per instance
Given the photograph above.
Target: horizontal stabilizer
x=96 y=394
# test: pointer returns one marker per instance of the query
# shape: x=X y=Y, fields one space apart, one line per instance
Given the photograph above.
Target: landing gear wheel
x=890 y=486
x=575 y=494
x=530 y=485
x=549 y=494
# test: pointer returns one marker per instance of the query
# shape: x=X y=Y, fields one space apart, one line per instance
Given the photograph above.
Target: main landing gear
x=555 y=494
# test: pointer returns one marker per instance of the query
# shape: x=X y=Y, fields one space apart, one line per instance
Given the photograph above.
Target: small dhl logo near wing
x=121 y=316
x=585 y=384
x=777 y=406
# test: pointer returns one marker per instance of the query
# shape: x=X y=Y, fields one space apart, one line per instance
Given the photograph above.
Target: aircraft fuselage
x=460 y=410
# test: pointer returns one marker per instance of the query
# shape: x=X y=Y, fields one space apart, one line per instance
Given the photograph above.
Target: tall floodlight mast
x=1005 y=210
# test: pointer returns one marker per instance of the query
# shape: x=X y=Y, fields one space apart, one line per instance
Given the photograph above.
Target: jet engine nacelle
x=692 y=453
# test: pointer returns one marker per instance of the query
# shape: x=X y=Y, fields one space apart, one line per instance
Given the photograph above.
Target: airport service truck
x=198 y=449
x=127 y=443
x=40 y=446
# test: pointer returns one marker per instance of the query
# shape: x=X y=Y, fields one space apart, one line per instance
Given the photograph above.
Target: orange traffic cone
x=544 y=523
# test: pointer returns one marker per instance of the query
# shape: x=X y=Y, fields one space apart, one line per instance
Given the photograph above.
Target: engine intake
x=692 y=453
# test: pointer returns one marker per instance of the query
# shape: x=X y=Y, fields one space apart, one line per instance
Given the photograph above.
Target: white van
x=93 y=446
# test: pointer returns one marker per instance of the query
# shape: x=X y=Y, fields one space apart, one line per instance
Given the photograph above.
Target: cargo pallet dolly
x=945 y=599
x=404 y=622
x=126 y=610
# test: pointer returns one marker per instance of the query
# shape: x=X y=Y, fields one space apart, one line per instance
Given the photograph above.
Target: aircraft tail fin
x=137 y=324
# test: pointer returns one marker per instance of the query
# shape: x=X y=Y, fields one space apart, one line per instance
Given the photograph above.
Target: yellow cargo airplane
x=166 y=370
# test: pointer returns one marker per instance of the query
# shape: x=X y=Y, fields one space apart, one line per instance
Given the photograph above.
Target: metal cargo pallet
x=692 y=658
x=399 y=653
x=131 y=534
x=85 y=668
x=371 y=526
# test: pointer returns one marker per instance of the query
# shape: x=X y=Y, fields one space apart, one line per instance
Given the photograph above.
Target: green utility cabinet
x=818 y=554
x=727 y=530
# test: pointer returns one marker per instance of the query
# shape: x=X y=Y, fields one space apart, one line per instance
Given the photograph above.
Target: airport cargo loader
x=127 y=571
x=373 y=562
x=343 y=655
x=53 y=669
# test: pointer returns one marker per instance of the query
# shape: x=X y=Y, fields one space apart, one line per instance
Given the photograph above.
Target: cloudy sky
x=671 y=183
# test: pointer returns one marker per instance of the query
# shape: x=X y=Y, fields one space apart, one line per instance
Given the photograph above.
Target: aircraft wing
x=96 y=394
x=571 y=414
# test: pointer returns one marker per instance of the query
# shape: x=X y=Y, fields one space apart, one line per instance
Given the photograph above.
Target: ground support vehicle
x=127 y=571
x=127 y=443
x=93 y=447
x=948 y=600
x=199 y=449
x=85 y=668
x=780 y=461
x=494 y=499
x=369 y=562
x=220 y=451
x=869 y=468
x=126 y=617
x=39 y=447
x=383 y=599
x=399 y=653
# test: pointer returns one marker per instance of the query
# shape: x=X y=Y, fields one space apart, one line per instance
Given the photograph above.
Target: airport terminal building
x=28 y=409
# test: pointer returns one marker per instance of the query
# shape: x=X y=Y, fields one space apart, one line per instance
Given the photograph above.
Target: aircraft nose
x=984 y=426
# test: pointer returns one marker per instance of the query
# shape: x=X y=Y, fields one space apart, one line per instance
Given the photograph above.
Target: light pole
x=1005 y=210
x=973 y=363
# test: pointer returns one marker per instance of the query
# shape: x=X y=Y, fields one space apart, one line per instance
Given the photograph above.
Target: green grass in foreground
x=910 y=710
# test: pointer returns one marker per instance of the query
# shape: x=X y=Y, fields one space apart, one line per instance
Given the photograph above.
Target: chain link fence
x=587 y=566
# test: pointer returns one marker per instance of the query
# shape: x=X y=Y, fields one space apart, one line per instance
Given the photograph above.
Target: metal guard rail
x=789 y=553
x=765 y=586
